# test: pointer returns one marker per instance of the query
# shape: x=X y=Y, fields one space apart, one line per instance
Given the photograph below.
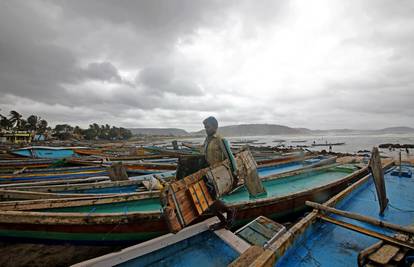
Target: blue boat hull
x=325 y=244
x=45 y=153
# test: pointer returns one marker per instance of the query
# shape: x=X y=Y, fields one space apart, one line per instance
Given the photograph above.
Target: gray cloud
x=141 y=63
x=164 y=79
x=103 y=71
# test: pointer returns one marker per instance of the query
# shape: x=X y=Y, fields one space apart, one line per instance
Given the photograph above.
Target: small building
x=15 y=137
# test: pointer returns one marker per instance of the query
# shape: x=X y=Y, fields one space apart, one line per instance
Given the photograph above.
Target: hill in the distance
x=159 y=131
x=400 y=129
x=257 y=129
x=265 y=129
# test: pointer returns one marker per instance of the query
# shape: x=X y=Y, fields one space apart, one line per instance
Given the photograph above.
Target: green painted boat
x=138 y=217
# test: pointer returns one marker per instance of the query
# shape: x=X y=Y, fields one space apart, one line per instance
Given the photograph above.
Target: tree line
x=14 y=121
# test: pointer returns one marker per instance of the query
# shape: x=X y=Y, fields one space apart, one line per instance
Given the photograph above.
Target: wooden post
x=117 y=172
x=175 y=145
x=400 y=163
x=378 y=175
x=361 y=218
x=368 y=232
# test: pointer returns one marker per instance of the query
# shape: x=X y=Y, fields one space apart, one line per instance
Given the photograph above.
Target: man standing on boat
x=215 y=152
x=213 y=144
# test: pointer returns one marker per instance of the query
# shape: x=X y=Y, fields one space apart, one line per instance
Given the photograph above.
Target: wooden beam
x=367 y=232
x=361 y=218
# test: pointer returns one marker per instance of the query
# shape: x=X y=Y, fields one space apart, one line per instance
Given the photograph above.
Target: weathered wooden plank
x=117 y=172
x=400 y=255
x=367 y=232
x=247 y=257
x=384 y=254
x=378 y=175
x=359 y=217
x=74 y=201
x=206 y=193
x=266 y=232
x=232 y=240
x=196 y=200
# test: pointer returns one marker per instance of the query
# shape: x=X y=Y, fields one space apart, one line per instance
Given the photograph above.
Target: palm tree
x=15 y=119
x=42 y=126
x=4 y=122
x=33 y=122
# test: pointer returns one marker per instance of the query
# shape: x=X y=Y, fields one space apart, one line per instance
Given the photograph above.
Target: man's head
x=210 y=125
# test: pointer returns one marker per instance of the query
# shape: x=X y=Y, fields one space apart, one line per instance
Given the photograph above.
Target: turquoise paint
x=202 y=250
x=144 y=205
x=45 y=153
x=292 y=184
x=325 y=244
x=266 y=171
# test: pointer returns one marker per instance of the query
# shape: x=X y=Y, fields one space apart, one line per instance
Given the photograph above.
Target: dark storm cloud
x=164 y=20
x=120 y=62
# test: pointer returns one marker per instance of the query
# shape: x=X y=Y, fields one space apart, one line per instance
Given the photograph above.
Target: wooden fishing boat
x=11 y=165
x=45 y=152
x=94 y=160
x=54 y=174
x=89 y=151
x=292 y=164
x=94 y=186
x=331 y=239
x=170 y=152
x=329 y=144
x=134 y=220
x=195 y=245
x=55 y=182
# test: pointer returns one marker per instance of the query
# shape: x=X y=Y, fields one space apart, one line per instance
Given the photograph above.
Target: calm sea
x=353 y=143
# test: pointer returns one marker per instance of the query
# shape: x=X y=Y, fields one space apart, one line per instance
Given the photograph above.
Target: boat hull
x=127 y=226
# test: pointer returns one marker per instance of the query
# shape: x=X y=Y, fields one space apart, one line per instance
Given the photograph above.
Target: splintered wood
x=201 y=197
x=117 y=172
x=378 y=176
x=185 y=200
x=248 y=170
x=386 y=254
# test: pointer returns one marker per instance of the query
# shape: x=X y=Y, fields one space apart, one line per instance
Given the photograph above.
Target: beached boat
x=328 y=144
x=328 y=240
x=45 y=152
x=70 y=188
x=292 y=164
x=170 y=152
x=134 y=220
x=195 y=245
x=54 y=174
x=18 y=164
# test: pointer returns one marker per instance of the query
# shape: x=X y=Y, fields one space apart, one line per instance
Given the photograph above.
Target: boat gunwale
x=277 y=249
x=75 y=218
x=76 y=201
x=266 y=201
x=80 y=186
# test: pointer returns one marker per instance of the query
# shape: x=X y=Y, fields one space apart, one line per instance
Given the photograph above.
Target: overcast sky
x=315 y=64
